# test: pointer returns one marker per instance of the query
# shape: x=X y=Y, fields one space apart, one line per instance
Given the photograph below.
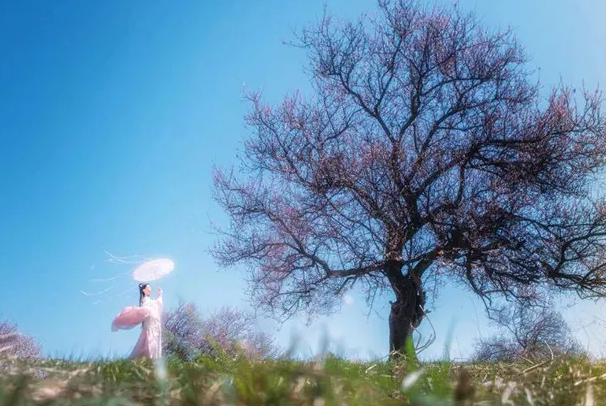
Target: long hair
x=141 y=294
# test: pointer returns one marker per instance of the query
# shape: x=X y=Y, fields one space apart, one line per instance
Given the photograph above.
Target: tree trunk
x=405 y=315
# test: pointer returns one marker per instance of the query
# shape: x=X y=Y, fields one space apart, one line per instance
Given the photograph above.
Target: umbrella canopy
x=153 y=270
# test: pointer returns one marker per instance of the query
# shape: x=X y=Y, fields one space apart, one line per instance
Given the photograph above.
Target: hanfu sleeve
x=130 y=317
x=159 y=302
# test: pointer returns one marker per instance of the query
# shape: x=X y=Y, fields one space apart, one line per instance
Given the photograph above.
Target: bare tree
x=228 y=330
x=527 y=333
x=16 y=344
x=426 y=147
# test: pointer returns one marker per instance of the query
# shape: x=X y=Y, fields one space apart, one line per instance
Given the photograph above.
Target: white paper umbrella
x=153 y=270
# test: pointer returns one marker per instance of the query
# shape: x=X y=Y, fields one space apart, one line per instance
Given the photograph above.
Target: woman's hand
x=159 y=291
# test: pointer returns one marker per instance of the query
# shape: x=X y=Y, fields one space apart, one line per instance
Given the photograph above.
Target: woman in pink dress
x=148 y=314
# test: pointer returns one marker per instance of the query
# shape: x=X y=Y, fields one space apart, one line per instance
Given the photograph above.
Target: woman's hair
x=141 y=294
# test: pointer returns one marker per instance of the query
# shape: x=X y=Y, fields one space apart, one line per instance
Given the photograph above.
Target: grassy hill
x=332 y=381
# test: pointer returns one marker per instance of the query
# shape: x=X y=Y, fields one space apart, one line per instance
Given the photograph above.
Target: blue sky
x=112 y=114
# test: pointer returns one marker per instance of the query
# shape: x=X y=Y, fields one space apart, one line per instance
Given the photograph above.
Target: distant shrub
x=227 y=332
x=17 y=344
x=527 y=333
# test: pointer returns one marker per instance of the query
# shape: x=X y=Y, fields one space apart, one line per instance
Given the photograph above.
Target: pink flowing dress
x=149 y=344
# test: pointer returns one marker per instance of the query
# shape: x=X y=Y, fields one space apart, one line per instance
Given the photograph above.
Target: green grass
x=332 y=382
